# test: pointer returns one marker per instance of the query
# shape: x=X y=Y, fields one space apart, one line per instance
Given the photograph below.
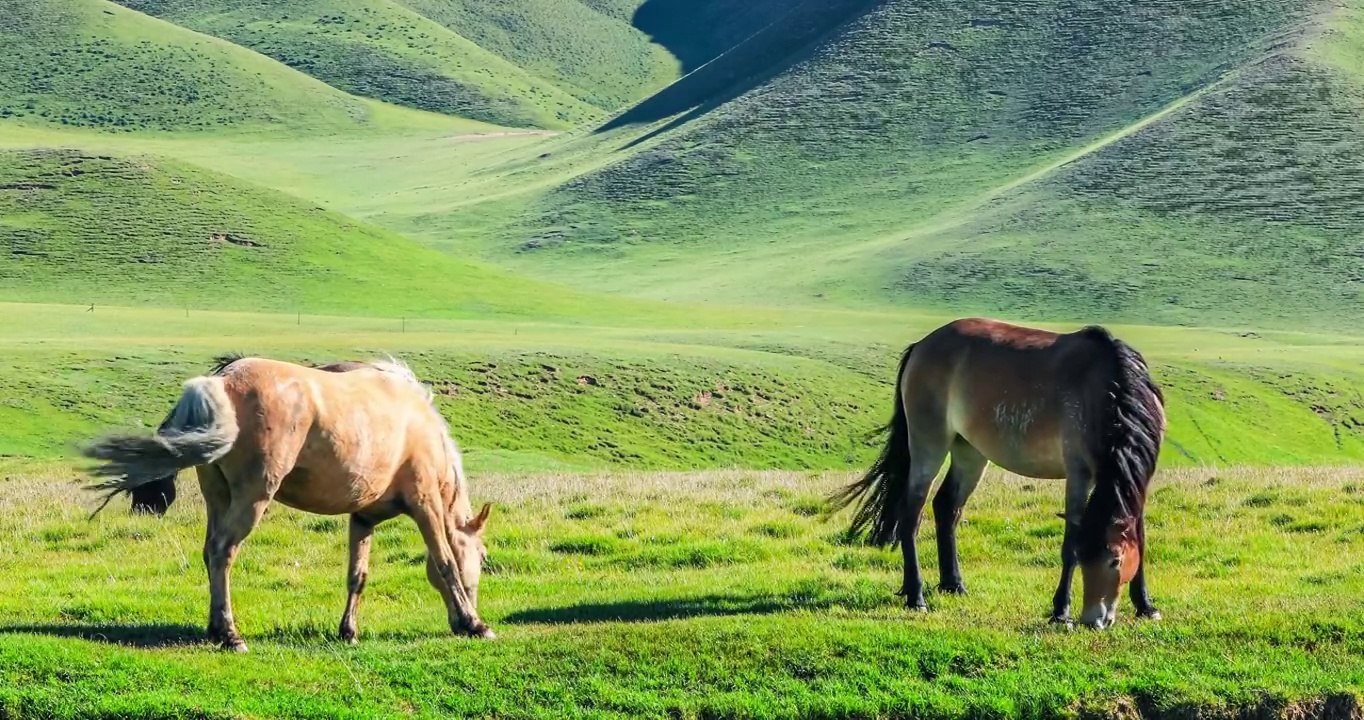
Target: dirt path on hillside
x=488 y=136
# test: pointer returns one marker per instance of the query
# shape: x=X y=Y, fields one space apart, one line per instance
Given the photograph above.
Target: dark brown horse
x=1080 y=406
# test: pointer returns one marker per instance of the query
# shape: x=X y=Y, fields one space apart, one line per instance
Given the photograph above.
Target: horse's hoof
x=1149 y=614
x=1064 y=621
x=957 y=589
x=917 y=607
x=234 y=645
x=350 y=636
x=482 y=632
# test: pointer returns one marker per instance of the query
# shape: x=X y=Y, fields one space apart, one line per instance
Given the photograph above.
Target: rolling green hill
x=384 y=50
x=1182 y=163
x=94 y=64
x=95 y=228
x=1189 y=162
x=594 y=54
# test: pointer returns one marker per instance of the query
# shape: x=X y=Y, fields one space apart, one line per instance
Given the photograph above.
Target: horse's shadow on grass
x=154 y=635
x=670 y=609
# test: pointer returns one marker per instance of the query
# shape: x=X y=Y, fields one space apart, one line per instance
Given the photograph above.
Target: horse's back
x=345 y=435
x=1014 y=393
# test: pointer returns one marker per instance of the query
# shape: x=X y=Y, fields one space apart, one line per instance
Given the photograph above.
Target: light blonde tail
x=199 y=430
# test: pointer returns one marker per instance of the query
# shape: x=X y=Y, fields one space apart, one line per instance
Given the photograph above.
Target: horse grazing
x=1080 y=406
x=357 y=438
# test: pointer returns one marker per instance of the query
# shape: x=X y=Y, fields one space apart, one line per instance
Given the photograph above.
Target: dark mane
x=343 y=366
x=1132 y=432
x=221 y=362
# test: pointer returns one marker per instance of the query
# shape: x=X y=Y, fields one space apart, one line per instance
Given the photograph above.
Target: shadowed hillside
x=735 y=45
x=696 y=31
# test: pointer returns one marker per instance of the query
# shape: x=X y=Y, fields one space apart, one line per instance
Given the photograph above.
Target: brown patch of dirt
x=237 y=240
x=1339 y=706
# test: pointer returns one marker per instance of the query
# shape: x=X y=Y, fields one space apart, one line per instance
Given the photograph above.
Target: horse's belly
x=315 y=493
x=1025 y=440
x=1033 y=467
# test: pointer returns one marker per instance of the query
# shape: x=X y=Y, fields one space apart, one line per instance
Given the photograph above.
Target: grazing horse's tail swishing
x=200 y=429
x=887 y=481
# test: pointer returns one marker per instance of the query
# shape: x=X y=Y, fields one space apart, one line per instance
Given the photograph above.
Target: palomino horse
x=357 y=438
x=1080 y=406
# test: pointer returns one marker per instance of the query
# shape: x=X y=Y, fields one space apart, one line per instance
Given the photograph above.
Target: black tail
x=1133 y=430
x=885 y=484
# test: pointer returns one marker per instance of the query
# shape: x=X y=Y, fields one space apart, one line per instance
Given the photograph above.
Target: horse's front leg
x=442 y=569
x=361 y=532
x=1141 y=598
x=1079 y=482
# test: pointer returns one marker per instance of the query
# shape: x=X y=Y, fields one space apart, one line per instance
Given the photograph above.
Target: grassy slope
x=384 y=50
x=862 y=172
x=518 y=394
x=1246 y=198
x=699 y=388
x=95 y=64
x=592 y=53
x=716 y=595
x=95 y=228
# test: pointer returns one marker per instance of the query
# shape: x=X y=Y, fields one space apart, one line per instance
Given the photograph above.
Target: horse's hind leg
x=926 y=458
x=361 y=532
x=217 y=500
x=967 y=467
x=252 y=486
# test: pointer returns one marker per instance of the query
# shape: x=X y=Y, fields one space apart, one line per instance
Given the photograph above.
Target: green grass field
x=657 y=260
x=719 y=594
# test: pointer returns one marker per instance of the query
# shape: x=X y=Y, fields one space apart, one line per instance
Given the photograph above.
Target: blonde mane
x=464 y=510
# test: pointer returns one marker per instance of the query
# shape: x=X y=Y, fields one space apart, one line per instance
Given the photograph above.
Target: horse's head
x=471 y=551
x=1106 y=564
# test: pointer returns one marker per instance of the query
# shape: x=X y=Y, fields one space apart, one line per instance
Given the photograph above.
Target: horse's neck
x=460 y=506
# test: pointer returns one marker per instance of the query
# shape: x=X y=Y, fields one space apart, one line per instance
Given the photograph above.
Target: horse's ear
x=476 y=525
